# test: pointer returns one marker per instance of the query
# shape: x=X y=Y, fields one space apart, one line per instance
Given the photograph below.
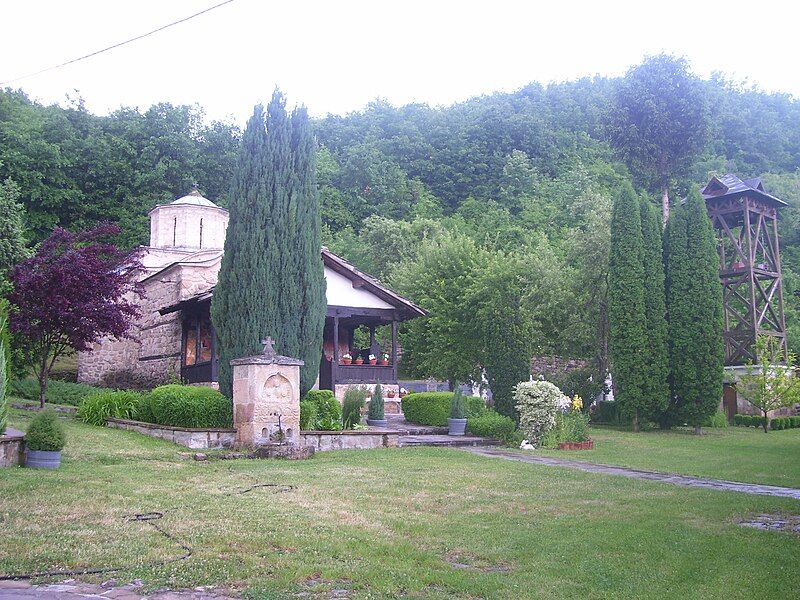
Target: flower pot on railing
x=358 y=361
x=390 y=394
x=374 y=361
x=738 y=265
x=384 y=363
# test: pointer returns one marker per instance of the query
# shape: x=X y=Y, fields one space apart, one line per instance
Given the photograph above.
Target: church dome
x=195 y=198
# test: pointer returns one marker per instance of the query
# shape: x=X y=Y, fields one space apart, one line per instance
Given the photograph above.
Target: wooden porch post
x=214 y=361
x=335 y=363
x=394 y=350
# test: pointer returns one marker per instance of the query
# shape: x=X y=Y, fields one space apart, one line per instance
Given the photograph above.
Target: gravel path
x=684 y=480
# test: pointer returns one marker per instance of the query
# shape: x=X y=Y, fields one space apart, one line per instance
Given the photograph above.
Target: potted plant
x=457 y=422
x=738 y=265
x=346 y=358
x=385 y=360
x=358 y=361
x=391 y=393
x=373 y=360
x=375 y=414
x=44 y=441
x=403 y=392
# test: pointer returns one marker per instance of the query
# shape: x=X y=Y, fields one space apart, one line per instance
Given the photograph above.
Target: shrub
x=45 y=433
x=492 y=424
x=718 y=420
x=189 y=406
x=308 y=415
x=433 y=408
x=775 y=424
x=58 y=392
x=584 y=381
x=737 y=419
x=606 y=412
x=328 y=410
x=536 y=403
x=352 y=405
x=376 y=405
x=795 y=421
x=458 y=406
x=111 y=404
x=568 y=427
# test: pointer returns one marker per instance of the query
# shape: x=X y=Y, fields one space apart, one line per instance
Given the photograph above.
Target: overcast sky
x=336 y=56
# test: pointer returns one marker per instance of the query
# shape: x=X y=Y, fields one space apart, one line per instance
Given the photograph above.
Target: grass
x=412 y=523
x=733 y=453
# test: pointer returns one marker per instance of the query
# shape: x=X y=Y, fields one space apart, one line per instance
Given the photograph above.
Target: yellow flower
x=577 y=402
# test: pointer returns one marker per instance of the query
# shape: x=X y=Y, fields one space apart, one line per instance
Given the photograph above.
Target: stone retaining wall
x=11 y=443
x=364 y=439
x=320 y=441
x=191 y=438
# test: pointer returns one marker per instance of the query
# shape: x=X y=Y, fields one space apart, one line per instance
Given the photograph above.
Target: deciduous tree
x=658 y=120
x=73 y=291
x=771 y=383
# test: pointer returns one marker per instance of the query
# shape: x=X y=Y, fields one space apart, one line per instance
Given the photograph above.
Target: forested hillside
x=495 y=212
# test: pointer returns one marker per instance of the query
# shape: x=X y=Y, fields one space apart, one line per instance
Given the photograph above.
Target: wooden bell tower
x=745 y=219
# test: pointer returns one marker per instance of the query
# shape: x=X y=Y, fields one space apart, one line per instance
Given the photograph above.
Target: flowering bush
x=537 y=403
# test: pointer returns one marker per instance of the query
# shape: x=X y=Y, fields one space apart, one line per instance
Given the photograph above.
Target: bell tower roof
x=195 y=198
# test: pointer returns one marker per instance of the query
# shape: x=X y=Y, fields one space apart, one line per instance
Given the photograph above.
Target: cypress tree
x=655 y=384
x=271 y=280
x=628 y=337
x=694 y=311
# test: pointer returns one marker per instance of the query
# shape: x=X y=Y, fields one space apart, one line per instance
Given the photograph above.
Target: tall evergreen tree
x=12 y=232
x=628 y=336
x=5 y=362
x=271 y=281
x=694 y=311
x=655 y=385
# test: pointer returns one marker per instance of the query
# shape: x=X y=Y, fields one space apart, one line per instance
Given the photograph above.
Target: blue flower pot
x=42 y=459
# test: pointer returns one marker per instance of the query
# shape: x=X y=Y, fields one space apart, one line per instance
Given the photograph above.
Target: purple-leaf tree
x=75 y=290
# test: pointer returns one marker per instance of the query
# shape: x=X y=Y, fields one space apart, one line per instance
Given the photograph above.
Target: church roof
x=730 y=185
x=337 y=264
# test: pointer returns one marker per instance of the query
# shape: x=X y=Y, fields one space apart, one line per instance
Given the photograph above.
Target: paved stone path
x=73 y=590
x=684 y=480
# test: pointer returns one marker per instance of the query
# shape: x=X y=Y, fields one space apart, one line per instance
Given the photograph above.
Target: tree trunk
x=636 y=427
x=42 y=381
x=664 y=205
x=42 y=391
x=765 y=424
x=698 y=430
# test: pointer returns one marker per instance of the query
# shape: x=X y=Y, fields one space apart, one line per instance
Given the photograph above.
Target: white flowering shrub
x=537 y=403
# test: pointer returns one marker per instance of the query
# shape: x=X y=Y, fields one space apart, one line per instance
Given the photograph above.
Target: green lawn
x=733 y=453
x=411 y=523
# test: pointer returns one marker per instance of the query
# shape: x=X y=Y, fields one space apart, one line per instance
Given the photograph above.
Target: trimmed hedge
x=433 y=408
x=58 y=392
x=748 y=421
x=112 y=404
x=186 y=406
x=492 y=424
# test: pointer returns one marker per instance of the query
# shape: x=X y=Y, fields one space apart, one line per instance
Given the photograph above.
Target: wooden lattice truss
x=750 y=272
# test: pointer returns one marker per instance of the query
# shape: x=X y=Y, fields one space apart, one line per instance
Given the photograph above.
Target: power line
x=133 y=39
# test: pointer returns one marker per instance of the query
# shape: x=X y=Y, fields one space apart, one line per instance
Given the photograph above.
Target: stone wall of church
x=153 y=355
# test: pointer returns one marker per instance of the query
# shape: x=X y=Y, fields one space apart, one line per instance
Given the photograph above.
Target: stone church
x=175 y=339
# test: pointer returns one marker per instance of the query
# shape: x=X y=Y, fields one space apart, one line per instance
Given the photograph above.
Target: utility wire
x=133 y=39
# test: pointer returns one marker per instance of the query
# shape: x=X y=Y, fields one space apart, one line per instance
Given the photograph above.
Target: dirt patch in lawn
x=775 y=522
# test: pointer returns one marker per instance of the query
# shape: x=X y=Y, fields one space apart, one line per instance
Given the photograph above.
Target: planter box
x=587 y=445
